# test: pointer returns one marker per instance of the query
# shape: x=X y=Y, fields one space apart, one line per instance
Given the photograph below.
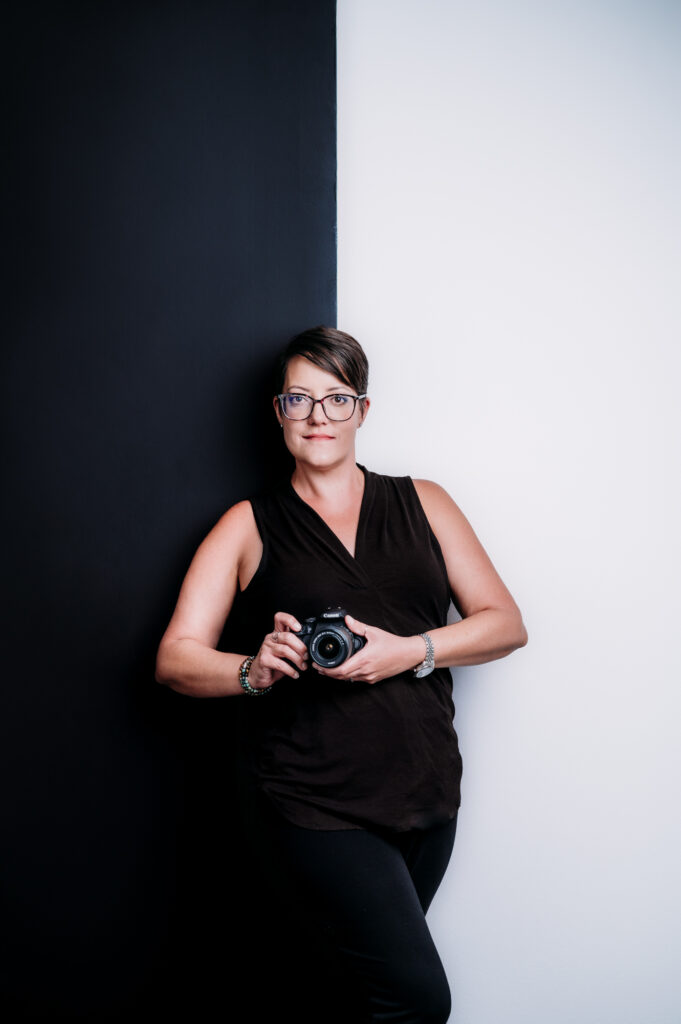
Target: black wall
x=169 y=193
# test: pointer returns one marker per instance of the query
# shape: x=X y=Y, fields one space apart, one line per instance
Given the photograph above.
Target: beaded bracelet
x=252 y=691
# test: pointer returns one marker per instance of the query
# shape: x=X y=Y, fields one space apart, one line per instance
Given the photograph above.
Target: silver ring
x=275 y=637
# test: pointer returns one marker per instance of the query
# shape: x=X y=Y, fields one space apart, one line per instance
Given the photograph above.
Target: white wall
x=509 y=226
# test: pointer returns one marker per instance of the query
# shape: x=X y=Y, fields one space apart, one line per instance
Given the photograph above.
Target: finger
x=288 y=640
x=278 y=664
x=353 y=665
x=282 y=650
x=350 y=669
x=285 y=621
x=335 y=674
x=356 y=626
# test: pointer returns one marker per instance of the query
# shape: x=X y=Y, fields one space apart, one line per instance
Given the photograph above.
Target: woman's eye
x=296 y=399
x=340 y=399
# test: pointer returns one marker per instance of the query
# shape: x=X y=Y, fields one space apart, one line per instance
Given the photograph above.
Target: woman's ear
x=277 y=411
x=363 y=410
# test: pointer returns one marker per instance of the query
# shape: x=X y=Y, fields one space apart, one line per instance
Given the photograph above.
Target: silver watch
x=428 y=663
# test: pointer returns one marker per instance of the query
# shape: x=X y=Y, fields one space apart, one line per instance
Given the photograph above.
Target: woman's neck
x=337 y=484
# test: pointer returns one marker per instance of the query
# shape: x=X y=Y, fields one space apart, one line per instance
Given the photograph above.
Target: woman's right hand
x=269 y=665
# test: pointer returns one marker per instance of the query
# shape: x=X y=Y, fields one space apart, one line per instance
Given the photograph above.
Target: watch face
x=425 y=671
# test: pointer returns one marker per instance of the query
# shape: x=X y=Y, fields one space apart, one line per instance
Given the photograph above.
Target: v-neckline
x=360 y=520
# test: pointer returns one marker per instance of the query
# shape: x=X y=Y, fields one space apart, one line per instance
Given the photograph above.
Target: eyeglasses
x=336 y=407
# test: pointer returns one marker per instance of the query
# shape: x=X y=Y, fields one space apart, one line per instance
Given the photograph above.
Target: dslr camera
x=328 y=639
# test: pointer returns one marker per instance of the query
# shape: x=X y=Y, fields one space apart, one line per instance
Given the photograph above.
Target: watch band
x=428 y=663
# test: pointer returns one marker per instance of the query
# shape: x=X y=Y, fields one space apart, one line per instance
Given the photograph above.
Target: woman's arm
x=187 y=658
x=491 y=627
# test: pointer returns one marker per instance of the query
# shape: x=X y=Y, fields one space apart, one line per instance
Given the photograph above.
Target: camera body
x=328 y=639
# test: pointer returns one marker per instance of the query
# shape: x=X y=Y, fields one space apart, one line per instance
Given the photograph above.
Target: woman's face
x=318 y=440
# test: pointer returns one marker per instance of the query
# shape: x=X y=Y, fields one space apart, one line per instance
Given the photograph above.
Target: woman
x=357 y=766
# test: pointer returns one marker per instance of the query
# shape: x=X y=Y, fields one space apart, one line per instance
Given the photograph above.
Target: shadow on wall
x=135 y=874
x=236 y=934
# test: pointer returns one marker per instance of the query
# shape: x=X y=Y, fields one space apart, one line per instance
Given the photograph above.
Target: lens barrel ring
x=340 y=650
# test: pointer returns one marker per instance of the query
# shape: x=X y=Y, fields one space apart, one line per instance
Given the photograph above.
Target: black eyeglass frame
x=334 y=419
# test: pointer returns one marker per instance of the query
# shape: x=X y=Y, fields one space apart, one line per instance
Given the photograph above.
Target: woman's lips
x=318 y=437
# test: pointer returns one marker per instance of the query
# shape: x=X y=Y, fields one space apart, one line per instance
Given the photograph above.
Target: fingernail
x=296 y=675
x=297 y=626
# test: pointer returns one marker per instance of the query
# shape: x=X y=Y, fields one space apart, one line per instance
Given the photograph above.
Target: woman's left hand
x=383 y=655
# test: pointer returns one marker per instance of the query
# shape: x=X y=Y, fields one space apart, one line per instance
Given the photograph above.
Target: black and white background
x=508 y=253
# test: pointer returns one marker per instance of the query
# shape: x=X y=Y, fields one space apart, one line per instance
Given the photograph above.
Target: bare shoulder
x=239 y=515
x=474 y=581
x=210 y=584
x=227 y=546
x=454 y=532
x=431 y=491
x=235 y=542
x=438 y=504
x=234 y=527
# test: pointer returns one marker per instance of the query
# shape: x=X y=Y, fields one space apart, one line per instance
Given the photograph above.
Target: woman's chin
x=322 y=456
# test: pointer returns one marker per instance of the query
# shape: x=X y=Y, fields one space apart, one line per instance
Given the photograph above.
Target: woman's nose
x=317 y=414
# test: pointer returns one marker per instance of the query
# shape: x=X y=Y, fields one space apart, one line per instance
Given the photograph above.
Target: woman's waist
x=324 y=718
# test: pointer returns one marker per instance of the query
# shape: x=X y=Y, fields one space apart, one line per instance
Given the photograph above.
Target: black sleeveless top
x=331 y=754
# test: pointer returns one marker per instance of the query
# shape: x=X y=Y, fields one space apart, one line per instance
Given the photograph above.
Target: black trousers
x=368 y=894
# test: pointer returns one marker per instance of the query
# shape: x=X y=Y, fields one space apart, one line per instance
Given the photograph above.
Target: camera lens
x=329 y=649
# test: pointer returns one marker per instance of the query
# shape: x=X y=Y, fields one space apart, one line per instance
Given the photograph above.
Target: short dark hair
x=331 y=350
